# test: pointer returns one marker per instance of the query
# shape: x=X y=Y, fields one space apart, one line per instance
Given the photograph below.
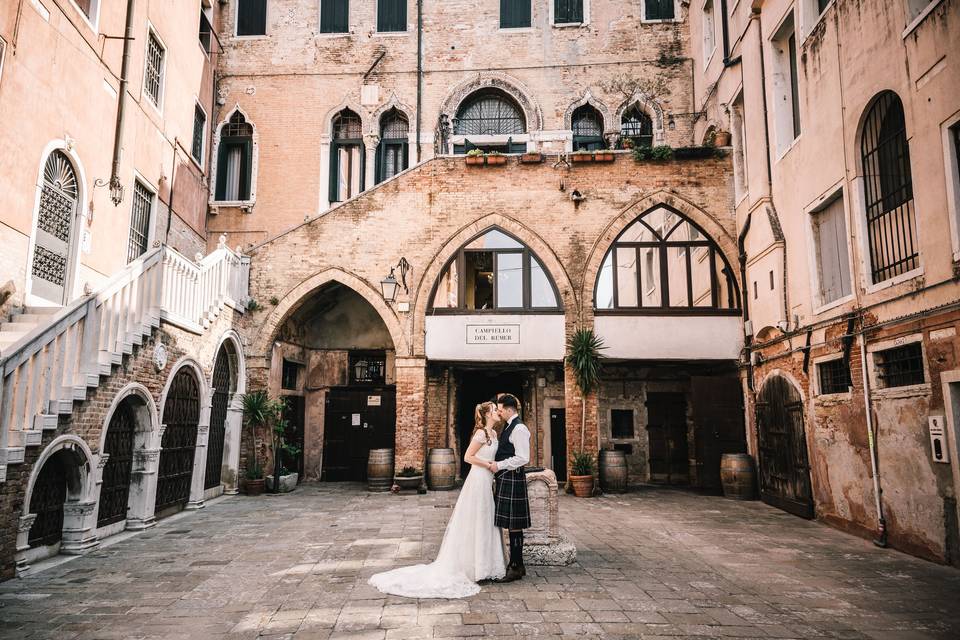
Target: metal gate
x=218 y=420
x=49 y=494
x=59 y=196
x=784 y=466
x=115 y=490
x=181 y=414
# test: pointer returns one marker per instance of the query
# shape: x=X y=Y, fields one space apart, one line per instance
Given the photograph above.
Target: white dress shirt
x=520 y=439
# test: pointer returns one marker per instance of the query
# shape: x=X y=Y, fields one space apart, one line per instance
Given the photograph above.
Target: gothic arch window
x=888 y=190
x=393 y=148
x=495 y=273
x=235 y=160
x=637 y=125
x=663 y=263
x=492 y=117
x=587 y=125
x=346 y=156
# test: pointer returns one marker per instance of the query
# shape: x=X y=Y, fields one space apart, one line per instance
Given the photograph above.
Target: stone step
x=17 y=327
x=28 y=318
x=44 y=311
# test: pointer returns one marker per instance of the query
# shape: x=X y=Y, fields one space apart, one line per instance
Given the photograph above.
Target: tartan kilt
x=512 y=511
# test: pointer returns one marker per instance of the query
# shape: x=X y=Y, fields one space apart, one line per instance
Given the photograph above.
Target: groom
x=512 y=508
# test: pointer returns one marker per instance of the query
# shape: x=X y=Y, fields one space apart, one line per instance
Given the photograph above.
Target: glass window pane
x=677 y=276
x=447 y=288
x=604 y=292
x=637 y=232
x=509 y=280
x=726 y=292
x=652 y=294
x=626 y=258
x=494 y=239
x=700 y=267
x=478 y=279
x=541 y=293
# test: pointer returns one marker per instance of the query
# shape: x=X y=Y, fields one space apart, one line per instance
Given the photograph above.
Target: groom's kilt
x=512 y=508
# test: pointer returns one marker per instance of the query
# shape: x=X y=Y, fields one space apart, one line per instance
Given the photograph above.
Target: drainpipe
x=116 y=186
x=745 y=296
x=173 y=182
x=419 y=72
x=881 y=539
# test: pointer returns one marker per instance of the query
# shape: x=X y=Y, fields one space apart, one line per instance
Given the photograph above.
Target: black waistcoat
x=505 y=447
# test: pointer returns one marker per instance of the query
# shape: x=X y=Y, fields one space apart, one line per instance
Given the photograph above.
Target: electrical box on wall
x=938 y=439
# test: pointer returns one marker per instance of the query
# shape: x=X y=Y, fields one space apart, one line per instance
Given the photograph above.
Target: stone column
x=411 y=381
x=200 y=456
x=23 y=534
x=370 y=142
x=79 y=528
x=233 y=429
x=324 y=201
x=143 y=487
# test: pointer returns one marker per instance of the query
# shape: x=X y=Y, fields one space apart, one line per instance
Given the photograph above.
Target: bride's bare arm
x=470 y=457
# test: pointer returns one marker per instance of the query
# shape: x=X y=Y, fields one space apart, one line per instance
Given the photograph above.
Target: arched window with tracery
x=235 y=160
x=346 y=156
x=491 y=117
x=637 y=125
x=888 y=190
x=587 y=125
x=494 y=272
x=664 y=263
x=393 y=149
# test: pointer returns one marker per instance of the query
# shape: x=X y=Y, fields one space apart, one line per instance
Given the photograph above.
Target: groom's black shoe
x=513 y=574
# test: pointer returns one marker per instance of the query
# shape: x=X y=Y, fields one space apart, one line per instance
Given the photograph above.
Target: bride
x=472 y=547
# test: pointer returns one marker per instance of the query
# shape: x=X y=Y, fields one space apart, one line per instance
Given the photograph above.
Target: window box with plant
x=533 y=157
x=408 y=478
x=659 y=153
x=581 y=156
x=603 y=156
x=494 y=158
x=475 y=157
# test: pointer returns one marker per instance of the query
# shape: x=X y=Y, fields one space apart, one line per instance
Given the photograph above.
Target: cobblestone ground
x=653 y=563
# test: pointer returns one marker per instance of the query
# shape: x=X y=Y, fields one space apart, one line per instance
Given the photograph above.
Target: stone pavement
x=652 y=563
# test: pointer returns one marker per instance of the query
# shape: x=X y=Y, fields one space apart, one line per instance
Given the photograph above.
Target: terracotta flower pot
x=722 y=139
x=496 y=160
x=254 y=487
x=408 y=482
x=603 y=156
x=582 y=157
x=531 y=158
x=475 y=160
x=582 y=486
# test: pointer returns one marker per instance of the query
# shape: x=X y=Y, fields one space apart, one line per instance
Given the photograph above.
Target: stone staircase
x=22 y=321
x=51 y=358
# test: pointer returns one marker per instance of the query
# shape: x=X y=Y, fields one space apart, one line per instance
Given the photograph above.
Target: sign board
x=938 y=440
x=355 y=420
x=493 y=334
x=373 y=401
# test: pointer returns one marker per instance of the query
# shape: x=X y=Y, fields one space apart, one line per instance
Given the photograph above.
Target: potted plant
x=721 y=138
x=257 y=410
x=475 y=157
x=496 y=158
x=531 y=157
x=581 y=156
x=584 y=357
x=603 y=155
x=281 y=450
x=627 y=143
x=408 y=478
x=581 y=475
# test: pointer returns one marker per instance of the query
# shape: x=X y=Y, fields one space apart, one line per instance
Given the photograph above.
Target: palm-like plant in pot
x=584 y=356
x=581 y=475
x=257 y=413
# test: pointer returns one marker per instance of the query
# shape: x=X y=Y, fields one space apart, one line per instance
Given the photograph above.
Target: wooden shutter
x=391 y=15
x=334 y=16
x=832 y=252
x=514 y=14
x=246 y=167
x=659 y=10
x=221 y=192
x=252 y=18
x=334 y=170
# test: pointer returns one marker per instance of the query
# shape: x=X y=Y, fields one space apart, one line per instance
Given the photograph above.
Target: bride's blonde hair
x=480 y=417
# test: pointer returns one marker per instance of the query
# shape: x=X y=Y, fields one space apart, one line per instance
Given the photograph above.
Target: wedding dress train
x=472 y=547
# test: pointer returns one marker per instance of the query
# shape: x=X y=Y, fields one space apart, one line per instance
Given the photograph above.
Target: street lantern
x=388 y=287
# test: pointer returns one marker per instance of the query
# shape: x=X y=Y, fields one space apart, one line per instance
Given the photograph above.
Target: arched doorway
x=224 y=386
x=119 y=443
x=47 y=500
x=181 y=415
x=784 y=465
x=333 y=363
x=53 y=251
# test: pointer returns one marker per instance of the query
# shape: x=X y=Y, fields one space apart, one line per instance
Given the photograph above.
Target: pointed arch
x=247 y=145
x=499 y=81
x=299 y=294
x=610 y=124
x=647 y=105
x=350 y=104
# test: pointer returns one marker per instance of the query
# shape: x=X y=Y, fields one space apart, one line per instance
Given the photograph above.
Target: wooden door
x=181 y=415
x=719 y=425
x=59 y=207
x=784 y=465
x=558 y=443
x=356 y=420
x=667 y=433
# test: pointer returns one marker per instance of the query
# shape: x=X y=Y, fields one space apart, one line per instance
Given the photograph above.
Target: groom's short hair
x=509 y=400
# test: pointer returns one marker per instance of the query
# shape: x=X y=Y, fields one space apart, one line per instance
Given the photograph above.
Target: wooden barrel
x=613 y=471
x=380 y=470
x=441 y=469
x=737 y=477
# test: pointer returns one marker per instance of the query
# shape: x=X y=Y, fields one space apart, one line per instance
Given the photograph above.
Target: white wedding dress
x=472 y=547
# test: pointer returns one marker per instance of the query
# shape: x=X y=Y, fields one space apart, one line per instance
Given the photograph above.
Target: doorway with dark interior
x=480 y=385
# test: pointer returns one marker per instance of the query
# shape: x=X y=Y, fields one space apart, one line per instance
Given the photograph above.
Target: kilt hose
x=512 y=510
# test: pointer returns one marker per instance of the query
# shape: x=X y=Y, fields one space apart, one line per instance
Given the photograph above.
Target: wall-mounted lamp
x=671 y=123
x=388 y=286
